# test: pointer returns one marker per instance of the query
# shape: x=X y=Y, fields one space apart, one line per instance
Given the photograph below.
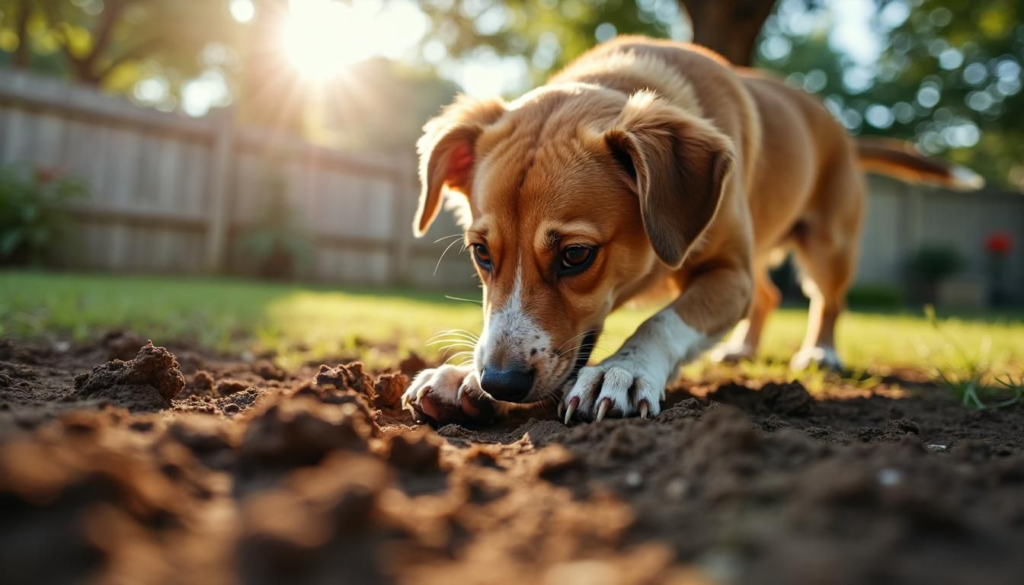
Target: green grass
x=301 y=322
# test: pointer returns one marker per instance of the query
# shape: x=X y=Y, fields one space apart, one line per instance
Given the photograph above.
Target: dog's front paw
x=619 y=387
x=448 y=394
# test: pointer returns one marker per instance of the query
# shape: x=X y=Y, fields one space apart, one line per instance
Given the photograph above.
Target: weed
x=969 y=377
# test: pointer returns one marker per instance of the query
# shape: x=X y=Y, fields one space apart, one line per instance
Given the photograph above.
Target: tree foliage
x=948 y=78
x=546 y=33
x=115 y=43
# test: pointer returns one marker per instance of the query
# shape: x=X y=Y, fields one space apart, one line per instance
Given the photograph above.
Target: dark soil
x=181 y=467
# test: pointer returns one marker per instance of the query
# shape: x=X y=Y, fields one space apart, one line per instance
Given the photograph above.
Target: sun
x=322 y=38
x=319 y=37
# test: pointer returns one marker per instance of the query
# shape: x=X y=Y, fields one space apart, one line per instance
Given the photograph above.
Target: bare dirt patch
x=178 y=466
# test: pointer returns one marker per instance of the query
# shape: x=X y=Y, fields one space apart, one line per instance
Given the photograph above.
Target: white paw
x=824 y=357
x=448 y=394
x=732 y=353
x=621 y=386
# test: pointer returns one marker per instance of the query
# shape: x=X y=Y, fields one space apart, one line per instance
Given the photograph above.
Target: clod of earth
x=147 y=382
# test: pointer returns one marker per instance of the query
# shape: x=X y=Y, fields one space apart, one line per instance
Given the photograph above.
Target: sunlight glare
x=242 y=10
x=321 y=38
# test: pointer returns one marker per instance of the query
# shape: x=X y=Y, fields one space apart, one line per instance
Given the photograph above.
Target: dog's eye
x=482 y=256
x=576 y=258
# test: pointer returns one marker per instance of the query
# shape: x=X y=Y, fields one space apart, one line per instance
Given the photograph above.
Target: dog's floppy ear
x=678 y=164
x=447 y=153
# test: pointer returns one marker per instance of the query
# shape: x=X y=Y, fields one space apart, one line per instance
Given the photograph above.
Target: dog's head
x=572 y=196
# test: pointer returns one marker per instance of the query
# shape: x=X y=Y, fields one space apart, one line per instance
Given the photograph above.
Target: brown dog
x=643 y=164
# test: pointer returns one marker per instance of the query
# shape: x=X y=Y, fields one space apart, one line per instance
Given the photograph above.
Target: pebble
x=676 y=488
x=634 y=479
x=890 y=477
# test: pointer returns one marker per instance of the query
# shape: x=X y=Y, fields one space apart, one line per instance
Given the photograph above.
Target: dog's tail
x=900 y=160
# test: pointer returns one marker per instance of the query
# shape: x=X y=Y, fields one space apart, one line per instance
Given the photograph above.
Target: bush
x=275 y=243
x=875 y=296
x=33 y=216
x=932 y=264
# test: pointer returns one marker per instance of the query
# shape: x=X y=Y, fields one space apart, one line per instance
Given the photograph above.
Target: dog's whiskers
x=457 y=345
x=453 y=347
x=457 y=355
x=582 y=346
x=442 y=238
x=575 y=337
x=452 y=332
x=445 y=252
x=475 y=302
x=453 y=337
x=454 y=341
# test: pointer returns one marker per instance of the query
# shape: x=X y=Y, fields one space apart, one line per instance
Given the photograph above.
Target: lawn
x=303 y=322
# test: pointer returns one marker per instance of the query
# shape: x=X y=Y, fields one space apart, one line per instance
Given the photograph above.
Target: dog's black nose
x=509 y=385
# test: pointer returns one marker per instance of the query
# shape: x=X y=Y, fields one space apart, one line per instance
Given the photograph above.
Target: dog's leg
x=450 y=394
x=745 y=339
x=828 y=274
x=826 y=252
x=632 y=381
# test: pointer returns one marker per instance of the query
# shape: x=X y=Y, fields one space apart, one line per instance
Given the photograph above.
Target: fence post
x=219 y=189
x=404 y=199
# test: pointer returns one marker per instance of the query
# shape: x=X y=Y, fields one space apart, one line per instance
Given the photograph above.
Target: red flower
x=999 y=243
x=44 y=175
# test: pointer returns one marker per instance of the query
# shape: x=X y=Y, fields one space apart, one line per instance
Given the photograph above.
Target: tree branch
x=111 y=15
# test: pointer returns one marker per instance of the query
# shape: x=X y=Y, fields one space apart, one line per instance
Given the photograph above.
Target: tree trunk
x=23 y=54
x=729 y=27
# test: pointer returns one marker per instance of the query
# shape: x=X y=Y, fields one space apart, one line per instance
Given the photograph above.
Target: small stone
x=890 y=477
x=634 y=479
x=676 y=488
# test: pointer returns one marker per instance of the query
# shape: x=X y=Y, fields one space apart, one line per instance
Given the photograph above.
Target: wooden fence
x=171 y=194
x=902 y=218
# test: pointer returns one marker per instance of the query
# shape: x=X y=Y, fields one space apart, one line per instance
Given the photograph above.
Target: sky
x=324 y=37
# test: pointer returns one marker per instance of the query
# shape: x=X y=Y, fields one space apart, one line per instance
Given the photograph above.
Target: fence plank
x=220 y=177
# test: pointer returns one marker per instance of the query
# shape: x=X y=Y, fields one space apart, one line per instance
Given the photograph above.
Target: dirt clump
x=301 y=431
x=229 y=387
x=415 y=451
x=389 y=388
x=147 y=382
x=202 y=383
x=345 y=377
x=268 y=371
